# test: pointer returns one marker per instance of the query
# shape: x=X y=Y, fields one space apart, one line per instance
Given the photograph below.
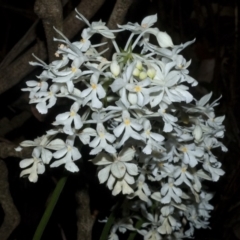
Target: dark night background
x=215 y=64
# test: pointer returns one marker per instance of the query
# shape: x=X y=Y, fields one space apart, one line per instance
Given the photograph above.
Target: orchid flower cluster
x=151 y=140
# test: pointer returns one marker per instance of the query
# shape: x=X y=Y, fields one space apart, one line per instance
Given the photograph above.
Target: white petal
x=132 y=169
x=95 y=142
x=147 y=150
x=110 y=182
x=109 y=148
x=178 y=191
x=104 y=174
x=166 y=199
x=127 y=154
x=26 y=162
x=95 y=151
x=40 y=168
x=46 y=155
x=136 y=126
x=157 y=137
x=42 y=108
x=132 y=98
x=58 y=163
x=140 y=99
x=164 y=189
x=117 y=84
x=62 y=116
x=102 y=159
x=33 y=177
x=96 y=103
x=68 y=129
x=18 y=149
x=86 y=92
x=126 y=189
x=167 y=127
x=52 y=102
x=156 y=196
x=75 y=154
x=60 y=153
x=75 y=107
x=25 y=172
x=77 y=121
x=71 y=166
x=100 y=91
x=149 y=21
x=119 y=130
x=117 y=188
x=118 y=169
x=110 y=137
x=28 y=143
x=56 y=144
x=32 y=83
x=129 y=179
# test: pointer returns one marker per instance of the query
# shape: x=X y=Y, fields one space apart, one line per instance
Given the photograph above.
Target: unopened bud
x=136 y=72
x=197 y=133
x=142 y=75
x=139 y=65
x=151 y=73
x=115 y=68
x=164 y=40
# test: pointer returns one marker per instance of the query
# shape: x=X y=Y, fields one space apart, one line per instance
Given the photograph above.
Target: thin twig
x=85 y=219
x=21 y=45
x=16 y=71
x=8 y=150
x=50 y=12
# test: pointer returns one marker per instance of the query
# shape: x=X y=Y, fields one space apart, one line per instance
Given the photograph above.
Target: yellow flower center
x=137 y=89
x=161 y=164
x=72 y=114
x=101 y=135
x=127 y=121
x=147 y=132
x=184 y=169
x=184 y=149
x=94 y=86
x=145 y=25
x=74 y=69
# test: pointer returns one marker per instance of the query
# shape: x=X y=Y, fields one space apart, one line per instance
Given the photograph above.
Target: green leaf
x=106 y=229
x=48 y=212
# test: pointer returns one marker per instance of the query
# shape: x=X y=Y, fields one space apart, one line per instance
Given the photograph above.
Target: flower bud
x=164 y=40
x=136 y=72
x=142 y=75
x=197 y=132
x=115 y=68
x=139 y=65
x=151 y=73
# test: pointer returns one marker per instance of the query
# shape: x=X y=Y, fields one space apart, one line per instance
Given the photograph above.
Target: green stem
x=107 y=227
x=48 y=212
x=137 y=226
x=109 y=223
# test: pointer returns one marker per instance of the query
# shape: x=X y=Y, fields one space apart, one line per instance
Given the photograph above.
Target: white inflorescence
x=150 y=138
